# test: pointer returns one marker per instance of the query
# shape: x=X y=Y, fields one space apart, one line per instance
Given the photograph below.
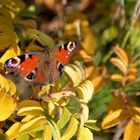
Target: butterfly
x=41 y=68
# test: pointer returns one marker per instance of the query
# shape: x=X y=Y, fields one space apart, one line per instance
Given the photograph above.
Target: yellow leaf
x=7 y=36
x=12 y=132
x=31 y=110
x=84 y=113
x=6 y=110
x=28 y=103
x=32 y=124
x=89 y=42
x=119 y=64
x=85 y=91
x=14 y=50
x=132 y=130
x=121 y=54
x=73 y=75
x=116 y=77
x=84 y=134
x=115 y=118
x=71 y=129
x=4 y=84
x=27 y=118
x=47 y=134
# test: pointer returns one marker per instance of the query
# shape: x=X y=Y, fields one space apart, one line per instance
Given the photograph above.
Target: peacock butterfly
x=40 y=68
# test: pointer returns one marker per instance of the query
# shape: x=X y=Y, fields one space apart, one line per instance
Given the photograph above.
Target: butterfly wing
x=31 y=66
x=39 y=68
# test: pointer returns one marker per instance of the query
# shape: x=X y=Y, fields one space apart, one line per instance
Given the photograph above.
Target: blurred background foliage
x=101 y=84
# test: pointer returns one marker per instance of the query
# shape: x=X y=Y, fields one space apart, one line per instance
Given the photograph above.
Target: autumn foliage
x=98 y=93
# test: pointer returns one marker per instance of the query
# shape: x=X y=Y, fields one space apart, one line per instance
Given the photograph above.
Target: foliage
x=99 y=89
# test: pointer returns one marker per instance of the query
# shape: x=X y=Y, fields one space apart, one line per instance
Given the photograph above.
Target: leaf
x=71 y=129
x=23 y=137
x=54 y=129
x=64 y=118
x=3 y=137
x=12 y=132
x=84 y=113
x=47 y=134
x=115 y=118
x=92 y=125
x=84 y=134
x=32 y=110
x=85 y=91
x=89 y=42
x=7 y=36
x=14 y=50
x=4 y=84
x=76 y=73
x=44 y=39
x=6 y=110
x=32 y=124
x=28 y=103
x=132 y=130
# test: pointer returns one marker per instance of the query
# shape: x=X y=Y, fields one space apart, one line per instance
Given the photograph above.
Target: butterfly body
x=41 y=68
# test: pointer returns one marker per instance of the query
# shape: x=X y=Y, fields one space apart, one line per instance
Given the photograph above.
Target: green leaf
x=23 y=137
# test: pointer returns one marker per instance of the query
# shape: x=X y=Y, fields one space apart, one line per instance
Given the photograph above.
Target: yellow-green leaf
x=71 y=129
x=54 y=129
x=64 y=118
x=44 y=39
x=92 y=125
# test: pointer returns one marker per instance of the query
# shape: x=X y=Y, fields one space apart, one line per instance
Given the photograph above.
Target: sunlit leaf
x=6 y=110
x=32 y=110
x=12 y=132
x=84 y=133
x=47 y=134
x=14 y=50
x=85 y=90
x=32 y=124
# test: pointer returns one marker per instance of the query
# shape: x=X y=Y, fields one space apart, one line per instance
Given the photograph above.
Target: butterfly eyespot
x=14 y=61
x=30 y=76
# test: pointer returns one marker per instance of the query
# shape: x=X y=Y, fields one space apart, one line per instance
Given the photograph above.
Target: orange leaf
x=132 y=130
x=114 y=118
